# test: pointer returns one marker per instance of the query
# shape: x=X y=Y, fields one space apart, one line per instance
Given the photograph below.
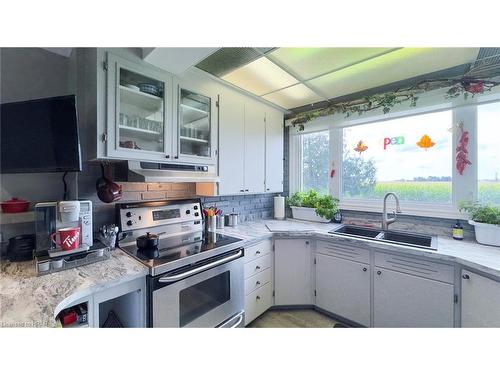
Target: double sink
x=395 y=237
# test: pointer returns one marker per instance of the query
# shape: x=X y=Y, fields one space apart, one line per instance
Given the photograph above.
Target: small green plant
x=325 y=205
x=481 y=213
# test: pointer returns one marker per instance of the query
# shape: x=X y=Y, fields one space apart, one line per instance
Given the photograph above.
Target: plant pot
x=306 y=213
x=486 y=234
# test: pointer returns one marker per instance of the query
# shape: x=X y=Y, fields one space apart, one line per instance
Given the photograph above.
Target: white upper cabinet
x=255 y=138
x=480 y=301
x=195 y=129
x=274 y=151
x=138 y=111
x=231 y=144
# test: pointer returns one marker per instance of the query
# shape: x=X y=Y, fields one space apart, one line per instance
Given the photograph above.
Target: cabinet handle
x=268 y=189
x=257 y=252
x=258 y=297
x=242 y=190
x=167 y=156
x=246 y=189
x=176 y=157
x=257 y=267
x=307 y=242
x=379 y=272
x=257 y=283
x=365 y=269
x=465 y=277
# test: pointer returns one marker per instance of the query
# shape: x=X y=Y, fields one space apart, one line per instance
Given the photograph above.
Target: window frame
x=463 y=187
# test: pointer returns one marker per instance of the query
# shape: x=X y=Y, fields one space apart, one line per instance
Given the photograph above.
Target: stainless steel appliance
x=51 y=216
x=196 y=278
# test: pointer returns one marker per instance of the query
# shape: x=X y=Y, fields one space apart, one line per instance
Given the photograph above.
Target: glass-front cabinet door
x=195 y=126
x=140 y=115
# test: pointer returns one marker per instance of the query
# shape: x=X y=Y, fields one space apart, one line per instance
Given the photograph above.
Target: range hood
x=139 y=171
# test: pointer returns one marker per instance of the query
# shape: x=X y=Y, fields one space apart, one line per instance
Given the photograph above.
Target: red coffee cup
x=69 y=238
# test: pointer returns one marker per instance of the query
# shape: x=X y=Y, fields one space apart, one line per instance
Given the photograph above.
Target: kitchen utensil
x=14 y=205
x=69 y=238
x=21 y=248
x=149 y=89
x=107 y=190
x=147 y=241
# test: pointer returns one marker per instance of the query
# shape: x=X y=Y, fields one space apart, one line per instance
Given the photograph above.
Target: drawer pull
x=465 y=277
x=257 y=298
x=257 y=267
x=365 y=269
x=257 y=252
x=379 y=272
x=257 y=283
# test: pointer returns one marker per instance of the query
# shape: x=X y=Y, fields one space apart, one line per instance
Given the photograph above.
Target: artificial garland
x=386 y=101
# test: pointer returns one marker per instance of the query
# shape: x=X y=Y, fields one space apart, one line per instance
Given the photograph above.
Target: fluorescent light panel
x=260 y=77
x=294 y=96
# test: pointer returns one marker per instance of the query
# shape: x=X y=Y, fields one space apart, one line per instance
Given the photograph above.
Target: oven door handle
x=169 y=279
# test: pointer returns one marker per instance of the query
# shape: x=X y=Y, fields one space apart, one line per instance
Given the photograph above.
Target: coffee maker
x=52 y=216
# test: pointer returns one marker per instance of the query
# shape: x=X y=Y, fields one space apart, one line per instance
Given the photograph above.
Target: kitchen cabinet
x=127 y=301
x=231 y=144
x=480 y=301
x=293 y=272
x=139 y=111
x=343 y=288
x=258 y=274
x=403 y=300
x=255 y=133
x=195 y=129
x=274 y=151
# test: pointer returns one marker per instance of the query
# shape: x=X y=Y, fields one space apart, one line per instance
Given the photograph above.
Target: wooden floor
x=296 y=318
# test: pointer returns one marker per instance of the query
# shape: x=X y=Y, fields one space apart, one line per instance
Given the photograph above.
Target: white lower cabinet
x=343 y=288
x=258 y=279
x=293 y=272
x=402 y=300
x=480 y=301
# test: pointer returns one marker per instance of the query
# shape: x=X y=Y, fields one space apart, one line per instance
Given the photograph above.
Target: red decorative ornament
x=475 y=88
x=462 y=153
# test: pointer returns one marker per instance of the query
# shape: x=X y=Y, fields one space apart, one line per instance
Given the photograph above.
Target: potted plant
x=486 y=221
x=313 y=206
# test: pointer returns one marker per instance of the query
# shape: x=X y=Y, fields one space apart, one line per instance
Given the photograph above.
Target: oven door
x=202 y=295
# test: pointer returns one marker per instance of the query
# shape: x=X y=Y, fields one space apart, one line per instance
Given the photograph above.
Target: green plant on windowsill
x=481 y=213
x=325 y=205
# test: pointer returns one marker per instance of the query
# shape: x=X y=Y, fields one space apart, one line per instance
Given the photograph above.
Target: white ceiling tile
x=311 y=62
x=294 y=96
x=260 y=77
x=175 y=59
x=392 y=67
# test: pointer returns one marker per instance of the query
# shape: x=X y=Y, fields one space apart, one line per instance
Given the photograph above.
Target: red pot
x=14 y=205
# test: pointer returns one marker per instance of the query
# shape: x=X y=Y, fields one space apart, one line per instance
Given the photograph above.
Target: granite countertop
x=28 y=300
x=467 y=253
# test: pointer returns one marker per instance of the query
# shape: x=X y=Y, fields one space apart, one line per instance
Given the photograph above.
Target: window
x=410 y=156
x=315 y=161
x=488 y=129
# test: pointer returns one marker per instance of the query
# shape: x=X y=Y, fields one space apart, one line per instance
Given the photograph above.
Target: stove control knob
x=130 y=222
x=188 y=212
x=129 y=214
x=196 y=214
x=195 y=207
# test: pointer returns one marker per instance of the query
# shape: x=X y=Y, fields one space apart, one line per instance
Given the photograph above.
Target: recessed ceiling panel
x=312 y=62
x=293 y=96
x=260 y=77
x=392 y=67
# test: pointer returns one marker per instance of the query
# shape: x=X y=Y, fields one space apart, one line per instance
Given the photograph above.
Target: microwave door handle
x=169 y=279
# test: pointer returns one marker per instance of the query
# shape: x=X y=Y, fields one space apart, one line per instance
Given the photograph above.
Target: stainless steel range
x=196 y=278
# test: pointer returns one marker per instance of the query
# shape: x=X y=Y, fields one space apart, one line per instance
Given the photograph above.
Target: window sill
x=445 y=211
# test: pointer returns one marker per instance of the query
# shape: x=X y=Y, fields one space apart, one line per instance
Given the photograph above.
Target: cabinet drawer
x=258 y=280
x=258 y=302
x=344 y=251
x=417 y=266
x=258 y=265
x=256 y=251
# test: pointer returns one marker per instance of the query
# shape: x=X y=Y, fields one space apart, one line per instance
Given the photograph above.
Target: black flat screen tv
x=40 y=136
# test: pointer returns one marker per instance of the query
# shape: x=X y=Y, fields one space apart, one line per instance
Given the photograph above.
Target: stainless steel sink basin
x=396 y=237
x=352 y=230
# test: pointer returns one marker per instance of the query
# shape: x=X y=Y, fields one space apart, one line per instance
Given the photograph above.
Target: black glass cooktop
x=178 y=248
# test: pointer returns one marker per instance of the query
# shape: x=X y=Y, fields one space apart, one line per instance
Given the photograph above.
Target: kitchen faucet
x=385 y=219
